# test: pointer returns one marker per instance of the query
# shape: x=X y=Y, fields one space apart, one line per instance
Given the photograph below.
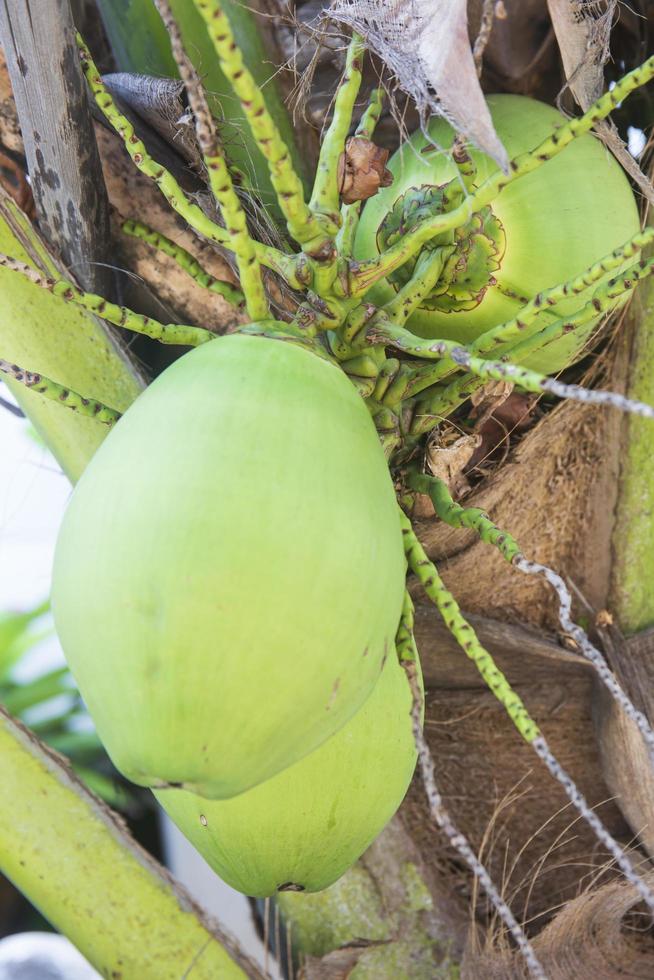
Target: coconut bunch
x=227 y=586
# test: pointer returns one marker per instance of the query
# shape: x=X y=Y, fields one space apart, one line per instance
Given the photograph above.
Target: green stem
x=302 y=225
x=140 y=45
x=446 y=400
x=184 y=259
x=220 y=179
x=249 y=268
x=428 y=270
x=56 y=392
x=164 y=180
x=120 y=316
x=325 y=198
x=457 y=516
x=464 y=164
x=366 y=274
x=405 y=644
x=519 y=325
x=171 y=190
x=464 y=634
x=394 y=336
x=74 y=861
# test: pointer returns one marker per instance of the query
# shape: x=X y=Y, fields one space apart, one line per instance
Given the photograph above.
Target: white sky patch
x=636 y=140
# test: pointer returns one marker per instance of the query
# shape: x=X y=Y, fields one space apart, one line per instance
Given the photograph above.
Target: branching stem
x=220 y=181
x=169 y=187
x=301 y=223
x=325 y=198
x=59 y=393
x=365 y=274
x=120 y=316
x=184 y=259
x=519 y=326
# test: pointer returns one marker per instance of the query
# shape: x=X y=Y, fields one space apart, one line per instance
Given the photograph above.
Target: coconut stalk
x=140 y=44
x=73 y=858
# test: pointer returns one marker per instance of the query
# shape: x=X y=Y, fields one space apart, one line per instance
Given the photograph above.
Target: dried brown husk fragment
x=362 y=170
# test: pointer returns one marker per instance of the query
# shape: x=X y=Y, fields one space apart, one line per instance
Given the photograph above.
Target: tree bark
x=51 y=96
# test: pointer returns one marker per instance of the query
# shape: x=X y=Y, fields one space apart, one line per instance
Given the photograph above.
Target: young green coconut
x=229 y=574
x=547 y=227
x=302 y=829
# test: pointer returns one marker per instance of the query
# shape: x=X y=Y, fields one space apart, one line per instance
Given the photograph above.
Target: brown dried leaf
x=362 y=170
x=492 y=390
x=425 y=44
x=583 y=31
x=447 y=461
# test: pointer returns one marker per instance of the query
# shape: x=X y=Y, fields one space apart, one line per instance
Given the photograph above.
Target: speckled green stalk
x=249 y=269
x=171 y=190
x=56 y=392
x=464 y=634
x=519 y=326
x=142 y=159
x=350 y=212
x=445 y=400
x=370 y=272
x=387 y=333
x=184 y=259
x=325 y=197
x=428 y=271
x=301 y=224
x=220 y=180
x=457 y=516
x=405 y=644
x=370 y=118
x=120 y=316
x=603 y=301
x=441 y=817
x=464 y=164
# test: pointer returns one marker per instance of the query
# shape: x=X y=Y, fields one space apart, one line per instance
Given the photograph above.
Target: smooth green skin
x=230 y=573
x=558 y=220
x=306 y=826
x=61 y=342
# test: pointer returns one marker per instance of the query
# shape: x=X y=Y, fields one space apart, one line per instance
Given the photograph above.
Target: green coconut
x=540 y=230
x=302 y=829
x=229 y=574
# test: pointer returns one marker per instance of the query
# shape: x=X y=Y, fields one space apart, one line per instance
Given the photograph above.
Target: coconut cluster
x=227 y=588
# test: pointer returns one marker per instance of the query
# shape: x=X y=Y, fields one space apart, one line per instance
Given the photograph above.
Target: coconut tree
x=525 y=518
